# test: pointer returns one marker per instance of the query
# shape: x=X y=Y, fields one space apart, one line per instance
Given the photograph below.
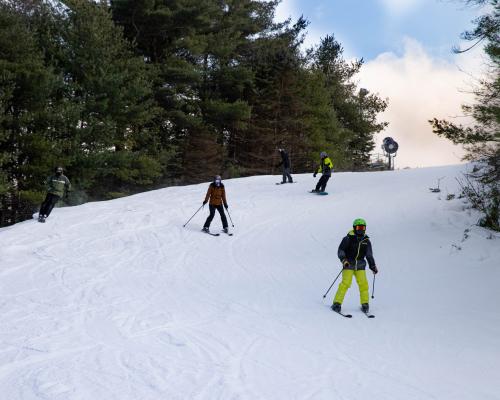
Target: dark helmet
x=359 y=226
x=59 y=170
x=217 y=180
x=323 y=154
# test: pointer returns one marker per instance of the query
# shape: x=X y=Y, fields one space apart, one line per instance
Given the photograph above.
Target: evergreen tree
x=356 y=111
x=482 y=140
x=113 y=136
x=26 y=90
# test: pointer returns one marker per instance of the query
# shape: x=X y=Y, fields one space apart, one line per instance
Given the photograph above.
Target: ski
x=210 y=233
x=367 y=314
x=227 y=233
x=319 y=193
x=341 y=313
x=284 y=183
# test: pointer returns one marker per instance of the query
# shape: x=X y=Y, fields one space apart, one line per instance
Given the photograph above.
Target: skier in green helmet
x=352 y=252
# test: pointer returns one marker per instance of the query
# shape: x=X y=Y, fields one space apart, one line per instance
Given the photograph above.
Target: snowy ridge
x=116 y=300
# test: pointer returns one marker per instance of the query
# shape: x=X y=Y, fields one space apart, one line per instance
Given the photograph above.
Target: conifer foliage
x=132 y=95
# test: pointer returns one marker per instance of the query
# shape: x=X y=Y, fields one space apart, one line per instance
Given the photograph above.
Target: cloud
x=399 y=7
x=420 y=88
x=285 y=10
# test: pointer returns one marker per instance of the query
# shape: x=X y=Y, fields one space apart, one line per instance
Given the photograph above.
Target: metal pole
x=193 y=215
x=333 y=283
x=230 y=217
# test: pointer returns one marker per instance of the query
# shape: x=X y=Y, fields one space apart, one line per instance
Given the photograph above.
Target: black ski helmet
x=217 y=180
x=323 y=154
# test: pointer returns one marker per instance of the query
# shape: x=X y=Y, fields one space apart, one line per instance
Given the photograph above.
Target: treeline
x=133 y=95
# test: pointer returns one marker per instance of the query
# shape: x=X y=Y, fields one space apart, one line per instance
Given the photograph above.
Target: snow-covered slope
x=116 y=300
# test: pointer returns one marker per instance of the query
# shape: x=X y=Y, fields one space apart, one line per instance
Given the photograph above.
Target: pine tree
x=482 y=140
x=26 y=90
x=356 y=111
x=110 y=86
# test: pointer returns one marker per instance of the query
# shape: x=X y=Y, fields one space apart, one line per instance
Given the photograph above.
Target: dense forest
x=129 y=96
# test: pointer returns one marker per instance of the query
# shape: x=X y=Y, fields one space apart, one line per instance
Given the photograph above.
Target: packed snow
x=117 y=300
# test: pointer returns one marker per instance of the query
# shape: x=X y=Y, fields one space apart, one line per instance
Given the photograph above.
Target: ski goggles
x=217 y=181
x=360 y=228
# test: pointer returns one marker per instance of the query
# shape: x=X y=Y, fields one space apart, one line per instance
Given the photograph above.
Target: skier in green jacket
x=353 y=250
x=58 y=186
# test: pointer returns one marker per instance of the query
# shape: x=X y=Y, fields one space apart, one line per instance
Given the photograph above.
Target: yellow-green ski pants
x=346 y=284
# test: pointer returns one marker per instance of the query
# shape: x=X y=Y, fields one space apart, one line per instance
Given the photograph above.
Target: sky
x=407 y=49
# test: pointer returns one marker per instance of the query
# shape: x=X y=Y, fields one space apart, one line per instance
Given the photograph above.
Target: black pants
x=286 y=174
x=48 y=204
x=219 y=208
x=321 y=186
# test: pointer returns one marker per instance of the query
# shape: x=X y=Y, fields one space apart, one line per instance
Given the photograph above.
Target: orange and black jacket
x=216 y=194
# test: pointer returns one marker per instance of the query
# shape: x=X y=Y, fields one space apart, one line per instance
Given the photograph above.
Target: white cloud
x=285 y=10
x=420 y=88
x=399 y=7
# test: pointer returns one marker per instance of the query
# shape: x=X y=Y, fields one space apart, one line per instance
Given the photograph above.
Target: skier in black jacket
x=285 y=161
x=353 y=250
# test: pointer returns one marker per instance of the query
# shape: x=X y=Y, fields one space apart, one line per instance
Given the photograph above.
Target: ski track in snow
x=116 y=300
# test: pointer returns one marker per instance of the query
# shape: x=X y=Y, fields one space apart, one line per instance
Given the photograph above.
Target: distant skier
x=285 y=162
x=353 y=250
x=325 y=167
x=58 y=186
x=217 y=196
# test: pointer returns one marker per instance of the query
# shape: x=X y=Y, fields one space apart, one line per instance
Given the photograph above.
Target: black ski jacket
x=355 y=249
x=285 y=160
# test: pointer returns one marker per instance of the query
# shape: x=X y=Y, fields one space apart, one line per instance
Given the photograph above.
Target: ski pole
x=333 y=283
x=193 y=215
x=373 y=287
x=230 y=217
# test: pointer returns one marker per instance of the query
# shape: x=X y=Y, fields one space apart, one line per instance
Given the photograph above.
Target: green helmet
x=358 y=222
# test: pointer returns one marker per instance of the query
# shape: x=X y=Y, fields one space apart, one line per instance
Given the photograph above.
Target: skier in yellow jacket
x=325 y=167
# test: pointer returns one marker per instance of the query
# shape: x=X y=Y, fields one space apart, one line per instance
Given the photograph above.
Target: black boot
x=336 y=307
x=365 y=307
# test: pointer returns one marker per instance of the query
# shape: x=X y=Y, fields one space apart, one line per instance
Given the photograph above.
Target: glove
x=374 y=269
x=314 y=175
x=205 y=202
x=345 y=264
x=226 y=206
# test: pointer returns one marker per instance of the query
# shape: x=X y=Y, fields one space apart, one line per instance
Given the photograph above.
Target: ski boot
x=205 y=229
x=336 y=307
x=41 y=218
x=365 y=307
x=225 y=230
